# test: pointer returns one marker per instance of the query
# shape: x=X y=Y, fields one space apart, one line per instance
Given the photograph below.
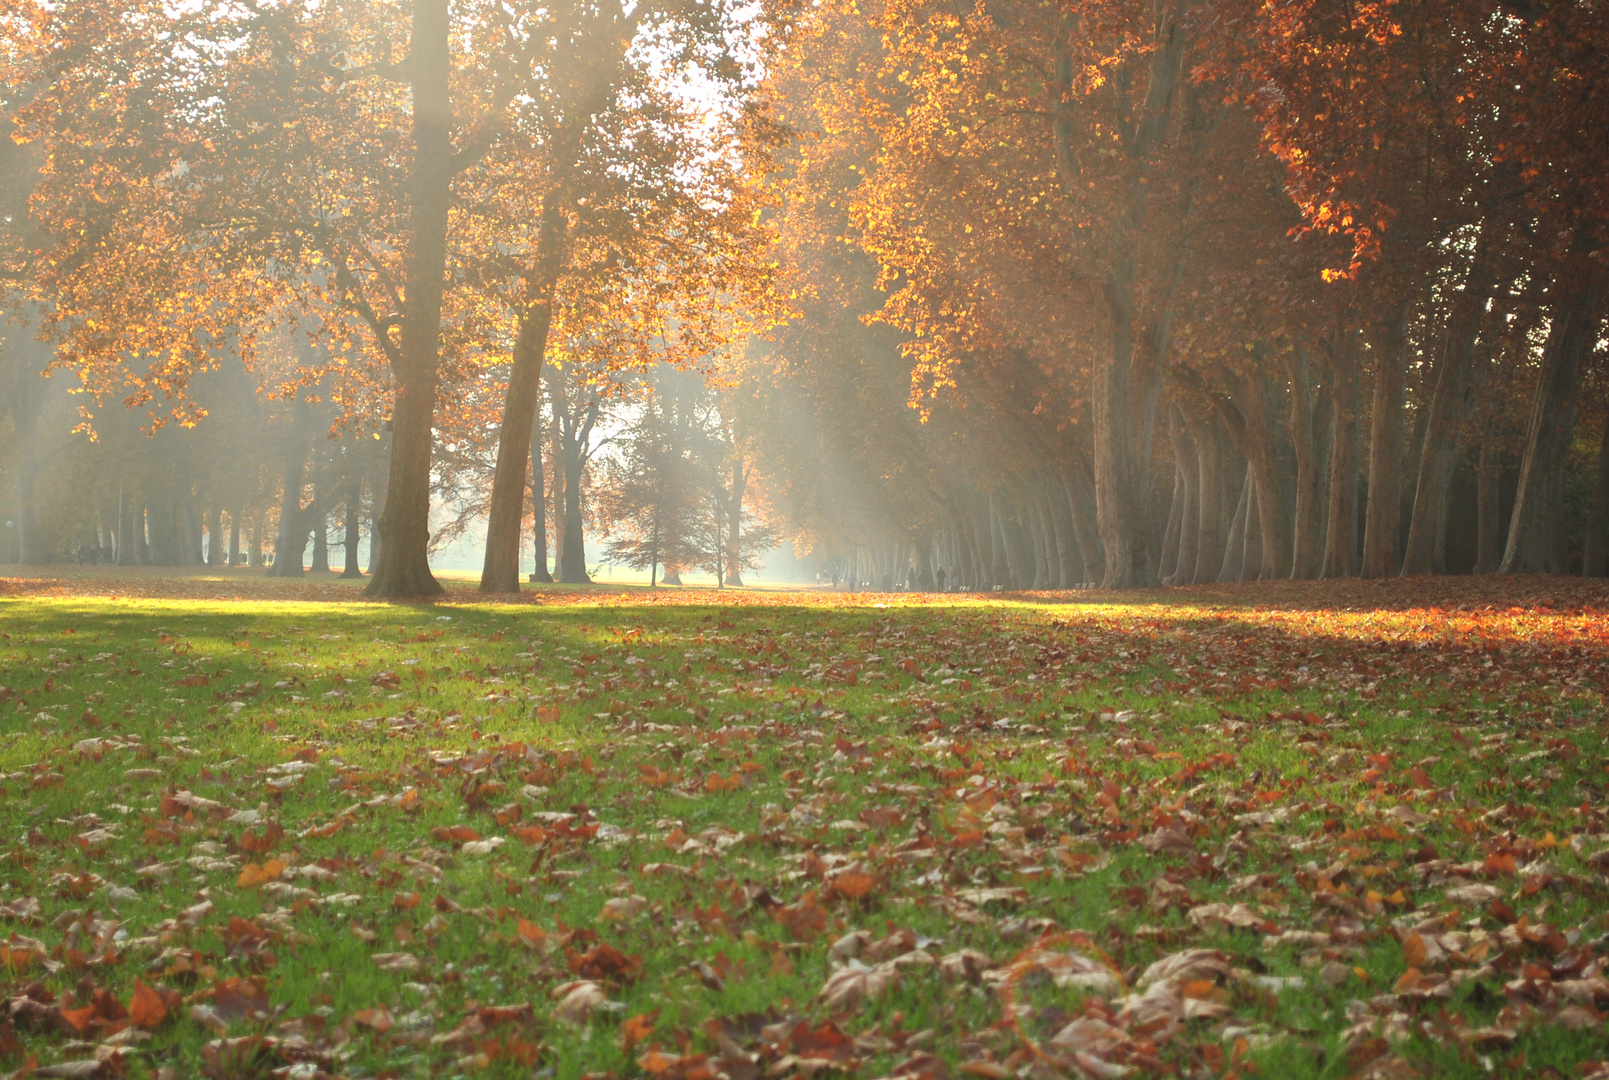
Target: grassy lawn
x=1325 y=831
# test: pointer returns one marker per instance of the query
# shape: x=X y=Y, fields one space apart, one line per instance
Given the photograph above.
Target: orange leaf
x=149 y=1007
x=637 y=1028
x=1414 y=950
x=853 y=884
x=531 y=932
x=461 y=834
x=252 y=875
x=405 y=901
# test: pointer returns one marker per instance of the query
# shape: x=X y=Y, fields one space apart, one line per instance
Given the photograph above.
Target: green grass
x=635 y=713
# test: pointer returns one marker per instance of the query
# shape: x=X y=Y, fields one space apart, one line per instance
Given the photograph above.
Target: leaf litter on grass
x=792 y=835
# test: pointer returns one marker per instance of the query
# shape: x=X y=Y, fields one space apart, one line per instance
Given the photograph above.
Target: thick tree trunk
x=1081 y=502
x=501 y=571
x=214 y=527
x=1536 y=527
x=404 y=564
x=1383 y=517
x=1235 y=546
x=294 y=526
x=1593 y=546
x=1171 y=532
x=142 y=542
x=1254 y=562
x=1307 y=550
x=1214 y=513
x=1488 y=512
x=1450 y=406
x=1068 y=565
x=350 y=537
x=1188 y=544
x=377 y=499
x=1340 y=534
x=321 y=540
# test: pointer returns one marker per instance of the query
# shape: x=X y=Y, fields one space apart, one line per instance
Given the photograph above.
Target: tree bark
x=1593 y=548
x=234 y=534
x=377 y=499
x=1213 y=514
x=1235 y=546
x=291 y=541
x=1340 y=535
x=1306 y=550
x=1082 y=503
x=404 y=563
x=1188 y=544
x=501 y=571
x=1536 y=526
x=1488 y=511
x=734 y=518
x=354 y=507
x=1172 y=531
x=539 y=505
x=1254 y=562
x=1384 y=513
x=25 y=418
x=577 y=435
x=1450 y=406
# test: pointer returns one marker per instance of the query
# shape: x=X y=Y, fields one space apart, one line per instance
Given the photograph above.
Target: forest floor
x=253 y=828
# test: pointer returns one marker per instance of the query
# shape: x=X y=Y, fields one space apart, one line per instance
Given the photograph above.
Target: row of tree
x=1199 y=290
x=408 y=208
x=1010 y=295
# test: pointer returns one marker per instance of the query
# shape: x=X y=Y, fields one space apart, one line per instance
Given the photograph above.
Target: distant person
x=938 y=579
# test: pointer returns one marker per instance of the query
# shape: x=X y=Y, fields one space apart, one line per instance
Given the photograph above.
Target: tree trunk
x=575 y=444
x=1384 y=513
x=539 y=505
x=214 y=527
x=1273 y=526
x=234 y=534
x=1213 y=514
x=1186 y=454
x=1254 y=562
x=734 y=519
x=558 y=399
x=1450 y=406
x=1593 y=548
x=1306 y=550
x=1174 y=528
x=1488 y=511
x=501 y=571
x=24 y=415
x=377 y=499
x=1340 y=535
x=1081 y=502
x=321 y=539
x=404 y=563
x=354 y=508
x=1235 y=546
x=291 y=541
x=1536 y=527
x=256 y=554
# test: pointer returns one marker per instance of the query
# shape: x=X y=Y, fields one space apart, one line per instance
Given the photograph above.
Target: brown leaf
x=151 y=1005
